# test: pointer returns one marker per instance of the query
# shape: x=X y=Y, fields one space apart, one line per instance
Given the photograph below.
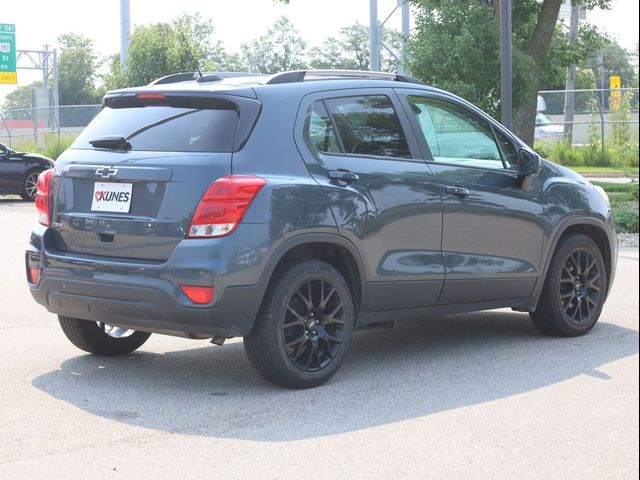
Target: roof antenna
x=186 y=45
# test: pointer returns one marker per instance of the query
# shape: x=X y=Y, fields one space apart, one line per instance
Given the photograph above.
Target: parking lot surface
x=480 y=395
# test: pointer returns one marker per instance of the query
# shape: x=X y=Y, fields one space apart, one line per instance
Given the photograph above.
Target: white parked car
x=546 y=129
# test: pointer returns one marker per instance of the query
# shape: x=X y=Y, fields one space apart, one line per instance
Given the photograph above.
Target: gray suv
x=295 y=208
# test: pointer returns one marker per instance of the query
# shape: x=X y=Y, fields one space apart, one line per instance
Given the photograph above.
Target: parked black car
x=19 y=171
x=295 y=208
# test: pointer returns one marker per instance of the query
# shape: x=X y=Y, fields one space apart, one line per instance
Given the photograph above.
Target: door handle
x=458 y=191
x=343 y=176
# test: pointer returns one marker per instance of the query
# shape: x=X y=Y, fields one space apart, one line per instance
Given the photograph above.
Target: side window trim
x=323 y=101
x=500 y=150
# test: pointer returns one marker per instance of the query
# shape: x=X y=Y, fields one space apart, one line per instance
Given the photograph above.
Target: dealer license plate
x=111 y=197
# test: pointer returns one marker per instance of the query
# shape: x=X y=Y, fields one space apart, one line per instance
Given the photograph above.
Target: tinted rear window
x=166 y=129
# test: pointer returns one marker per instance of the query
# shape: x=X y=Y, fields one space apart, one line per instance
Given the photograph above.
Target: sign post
x=8 y=73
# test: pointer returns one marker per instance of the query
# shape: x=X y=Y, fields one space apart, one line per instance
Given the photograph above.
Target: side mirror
x=528 y=167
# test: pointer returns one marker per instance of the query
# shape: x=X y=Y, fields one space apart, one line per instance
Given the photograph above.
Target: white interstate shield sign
x=111 y=197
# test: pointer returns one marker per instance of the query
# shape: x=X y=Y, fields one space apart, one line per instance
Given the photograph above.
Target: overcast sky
x=39 y=22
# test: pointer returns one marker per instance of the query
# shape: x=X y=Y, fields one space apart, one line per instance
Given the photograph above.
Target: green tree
x=281 y=48
x=77 y=66
x=350 y=50
x=18 y=103
x=616 y=60
x=456 y=46
x=165 y=48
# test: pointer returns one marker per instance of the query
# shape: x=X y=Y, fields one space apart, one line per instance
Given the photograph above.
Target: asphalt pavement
x=480 y=395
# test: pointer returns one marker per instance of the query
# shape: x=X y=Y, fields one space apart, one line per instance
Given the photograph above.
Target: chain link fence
x=37 y=125
x=598 y=115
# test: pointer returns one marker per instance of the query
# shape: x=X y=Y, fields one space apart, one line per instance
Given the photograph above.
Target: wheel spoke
x=576 y=263
x=300 y=350
x=591 y=265
x=569 y=274
x=313 y=353
x=307 y=302
x=586 y=304
x=297 y=341
x=324 y=299
x=299 y=318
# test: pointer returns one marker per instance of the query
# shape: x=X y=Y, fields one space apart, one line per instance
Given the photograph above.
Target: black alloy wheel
x=574 y=290
x=313 y=325
x=580 y=286
x=303 y=331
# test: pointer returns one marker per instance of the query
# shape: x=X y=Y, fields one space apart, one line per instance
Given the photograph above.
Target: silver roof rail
x=207 y=76
x=295 y=76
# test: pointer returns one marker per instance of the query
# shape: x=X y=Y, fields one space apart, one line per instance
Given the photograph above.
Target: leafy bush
x=53 y=146
x=626 y=217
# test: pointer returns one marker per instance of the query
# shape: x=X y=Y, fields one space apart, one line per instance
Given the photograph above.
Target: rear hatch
x=132 y=180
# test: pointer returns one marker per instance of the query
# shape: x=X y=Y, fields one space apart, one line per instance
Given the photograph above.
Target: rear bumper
x=146 y=296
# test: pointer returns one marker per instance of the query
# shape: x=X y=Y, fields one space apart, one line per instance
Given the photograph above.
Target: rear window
x=166 y=129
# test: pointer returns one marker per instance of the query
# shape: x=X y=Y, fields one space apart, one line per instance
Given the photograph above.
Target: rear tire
x=30 y=185
x=303 y=330
x=91 y=337
x=574 y=290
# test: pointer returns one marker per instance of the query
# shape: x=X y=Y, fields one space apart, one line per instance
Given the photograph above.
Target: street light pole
x=374 y=40
x=506 y=78
x=125 y=28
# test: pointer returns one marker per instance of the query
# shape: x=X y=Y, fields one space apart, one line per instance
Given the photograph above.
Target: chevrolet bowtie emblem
x=106 y=172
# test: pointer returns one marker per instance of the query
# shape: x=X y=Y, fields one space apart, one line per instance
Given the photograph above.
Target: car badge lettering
x=106 y=172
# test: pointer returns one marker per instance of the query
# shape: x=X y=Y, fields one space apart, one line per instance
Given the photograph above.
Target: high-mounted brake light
x=223 y=205
x=151 y=96
x=42 y=197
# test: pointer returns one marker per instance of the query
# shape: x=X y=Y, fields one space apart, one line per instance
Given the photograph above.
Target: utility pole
x=125 y=29
x=506 y=70
x=570 y=86
x=374 y=36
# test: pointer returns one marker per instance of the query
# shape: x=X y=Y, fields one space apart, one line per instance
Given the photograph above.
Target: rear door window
x=166 y=129
x=368 y=125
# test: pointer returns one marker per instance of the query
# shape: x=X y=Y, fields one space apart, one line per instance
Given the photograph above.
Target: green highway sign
x=8 y=53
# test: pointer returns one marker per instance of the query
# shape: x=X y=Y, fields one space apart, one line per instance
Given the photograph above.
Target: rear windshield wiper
x=118 y=142
x=114 y=142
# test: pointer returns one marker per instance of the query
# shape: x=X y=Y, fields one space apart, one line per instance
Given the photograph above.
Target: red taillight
x=34 y=275
x=43 y=195
x=198 y=294
x=223 y=205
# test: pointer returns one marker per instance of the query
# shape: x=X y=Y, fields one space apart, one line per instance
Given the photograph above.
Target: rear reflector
x=34 y=275
x=223 y=205
x=42 y=197
x=197 y=294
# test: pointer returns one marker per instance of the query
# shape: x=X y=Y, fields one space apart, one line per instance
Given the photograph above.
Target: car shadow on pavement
x=417 y=369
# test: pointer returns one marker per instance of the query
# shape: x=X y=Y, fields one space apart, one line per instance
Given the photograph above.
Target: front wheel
x=574 y=290
x=303 y=331
x=100 y=338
